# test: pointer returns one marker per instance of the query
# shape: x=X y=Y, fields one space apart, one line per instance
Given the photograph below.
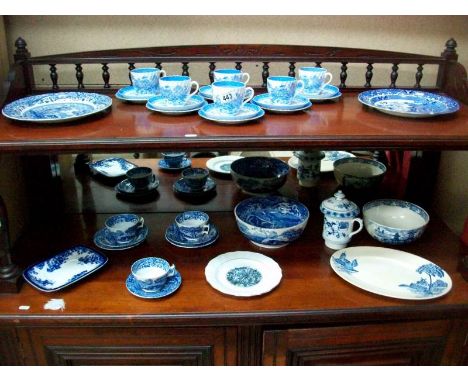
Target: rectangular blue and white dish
x=64 y=269
x=111 y=167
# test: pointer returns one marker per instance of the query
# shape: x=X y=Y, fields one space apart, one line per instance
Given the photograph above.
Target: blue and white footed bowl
x=259 y=175
x=359 y=173
x=393 y=221
x=272 y=221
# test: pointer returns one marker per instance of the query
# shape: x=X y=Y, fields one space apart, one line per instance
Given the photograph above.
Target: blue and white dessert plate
x=186 y=162
x=101 y=241
x=222 y=164
x=171 y=285
x=326 y=164
x=298 y=103
x=243 y=273
x=162 y=105
x=111 y=167
x=56 y=107
x=125 y=187
x=174 y=237
x=181 y=187
x=391 y=273
x=408 y=103
x=64 y=269
x=130 y=94
x=328 y=93
x=248 y=112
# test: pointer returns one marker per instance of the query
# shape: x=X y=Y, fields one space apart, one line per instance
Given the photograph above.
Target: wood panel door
x=9 y=354
x=129 y=346
x=418 y=343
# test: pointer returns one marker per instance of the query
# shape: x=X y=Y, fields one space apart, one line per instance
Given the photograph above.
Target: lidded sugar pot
x=340 y=214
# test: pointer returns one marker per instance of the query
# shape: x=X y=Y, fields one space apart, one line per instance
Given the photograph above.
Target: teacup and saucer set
x=145 y=84
x=192 y=229
x=141 y=182
x=283 y=95
x=223 y=75
x=230 y=105
x=176 y=96
x=121 y=232
x=317 y=86
x=153 y=277
x=174 y=161
x=195 y=183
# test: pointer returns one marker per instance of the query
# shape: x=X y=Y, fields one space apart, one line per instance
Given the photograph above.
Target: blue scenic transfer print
x=244 y=276
x=431 y=287
x=346 y=265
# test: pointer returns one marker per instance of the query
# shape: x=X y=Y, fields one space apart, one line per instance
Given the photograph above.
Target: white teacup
x=315 y=79
x=146 y=80
x=176 y=89
x=229 y=96
x=282 y=89
x=231 y=75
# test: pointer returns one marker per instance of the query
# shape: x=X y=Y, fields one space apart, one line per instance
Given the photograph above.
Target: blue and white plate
x=174 y=237
x=125 y=187
x=328 y=93
x=162 y=105
x=391 y=273
x=326 y=164
x=64 y=269
x=181 y=187
x=111 y=167
x=298 y=103
x=222 y=164
x=130 y=94
x=100 y=239
x=248 y=112
x=172 y=284
x=186 y=162
x=408 y=103
x=243 y=273
x=56 y=107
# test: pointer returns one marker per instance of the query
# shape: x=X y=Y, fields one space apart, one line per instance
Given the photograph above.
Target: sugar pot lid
x=339 y=207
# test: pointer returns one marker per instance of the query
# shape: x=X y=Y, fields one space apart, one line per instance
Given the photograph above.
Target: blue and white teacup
x=176 y=89
x=229 y=96
x=123 y=228
x=195 y=177
x=193 y=225
x=151 y=273
x=174 y=158
x=146 y=80
x=282 y=89
x=315 y=79
x=231 y=75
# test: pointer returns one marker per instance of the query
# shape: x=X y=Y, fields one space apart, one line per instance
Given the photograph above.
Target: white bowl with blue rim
x=272 y=221
x=393 y=221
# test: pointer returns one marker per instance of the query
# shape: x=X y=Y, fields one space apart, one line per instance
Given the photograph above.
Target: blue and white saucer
x=328 y=93
x=162 y=105
x=207 y=92
x=174 y=237
x=172 y=284
x=297 y=103
x=248 y=112
x=130 y=94
x=111 y=167
x=181 y=187
x=186 y=162
x=125 y=187
x=101 y=241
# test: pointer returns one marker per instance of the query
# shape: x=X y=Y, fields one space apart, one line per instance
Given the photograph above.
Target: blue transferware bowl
x=359 y=173
x=393 y=221
x=259 y=175
x=272 y=221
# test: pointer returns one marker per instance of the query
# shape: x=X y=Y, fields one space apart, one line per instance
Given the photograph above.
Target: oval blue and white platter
x=390 y=272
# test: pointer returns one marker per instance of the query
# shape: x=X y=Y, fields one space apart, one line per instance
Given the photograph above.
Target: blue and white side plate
x=248 y=112
x=172 y=284
x=64 y=269
x=391 y=273
x=111 y=167
x=186 y=162
x=328 y=93
x=130 y=94
x=408 y=103
x=222 y=164
x=326 y=164
x=243 y=273
x=125 y=187
x=56 y=107
x=181 y=186
x=100 y=240
x=162 y=105
x=298 y=103
x=174 y=237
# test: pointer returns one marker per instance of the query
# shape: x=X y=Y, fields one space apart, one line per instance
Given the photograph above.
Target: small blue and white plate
x=186 y=162
x=181 y=187
x=408 y=103
x=392 y=273
x=248 y=112
x=64 y=269
x=162 y=105
x=56 y=107
x=298 y=103
x=172 y=284
x=100 y=240
x=125 y=187
x=111 y=167
x=174 y=237
x=328 y=93
x=130 y=94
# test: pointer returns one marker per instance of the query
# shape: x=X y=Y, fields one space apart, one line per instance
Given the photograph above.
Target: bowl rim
x=373 y=162
x=284 y=173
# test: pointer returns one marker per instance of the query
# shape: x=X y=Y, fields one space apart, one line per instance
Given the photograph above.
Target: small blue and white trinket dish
x=111 y=167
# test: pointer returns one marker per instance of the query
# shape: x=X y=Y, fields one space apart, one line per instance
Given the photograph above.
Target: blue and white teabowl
x=123 y=228
x=146 y=80
x=176 y=89
x=282 y=89
x=231 y=75
x=151 y=273
x=315 y=78
x=228 y=96
x=192 y=225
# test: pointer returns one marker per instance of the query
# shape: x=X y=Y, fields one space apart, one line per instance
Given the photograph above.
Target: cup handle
x=249 y=89
x=141 y=223
x=172 y=271
x=153 y=178
x=206 y=229
x=162 y=73
x=327 y=82
x=359 y=221
x=196 y=88
x=247 y=77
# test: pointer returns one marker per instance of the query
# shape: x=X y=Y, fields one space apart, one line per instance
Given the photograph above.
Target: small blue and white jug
x=339 y=217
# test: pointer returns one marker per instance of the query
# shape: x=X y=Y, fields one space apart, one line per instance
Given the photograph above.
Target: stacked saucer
x=140 y=183
x=131 y=94
x=195 y=184
x=328 y=93
x=248 y=112
x=192 y=229
x=174 y=161
x=163 y=105
x=298 y=103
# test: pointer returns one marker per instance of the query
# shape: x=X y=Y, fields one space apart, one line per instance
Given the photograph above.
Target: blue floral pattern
x=345 y=265
x=423 y=286
x=244 y=276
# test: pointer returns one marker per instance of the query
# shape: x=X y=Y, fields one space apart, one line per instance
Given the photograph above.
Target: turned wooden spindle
x=239 y=65
x=343 y=75
x=419 y=76
x=158 y=65
x=54 y=76
x=185 y=69
x=105 y=75
x=369 y=75
x=212 y=68
x=292 y=69
x=79 y=75
x=131 y=66
x=265 y=73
